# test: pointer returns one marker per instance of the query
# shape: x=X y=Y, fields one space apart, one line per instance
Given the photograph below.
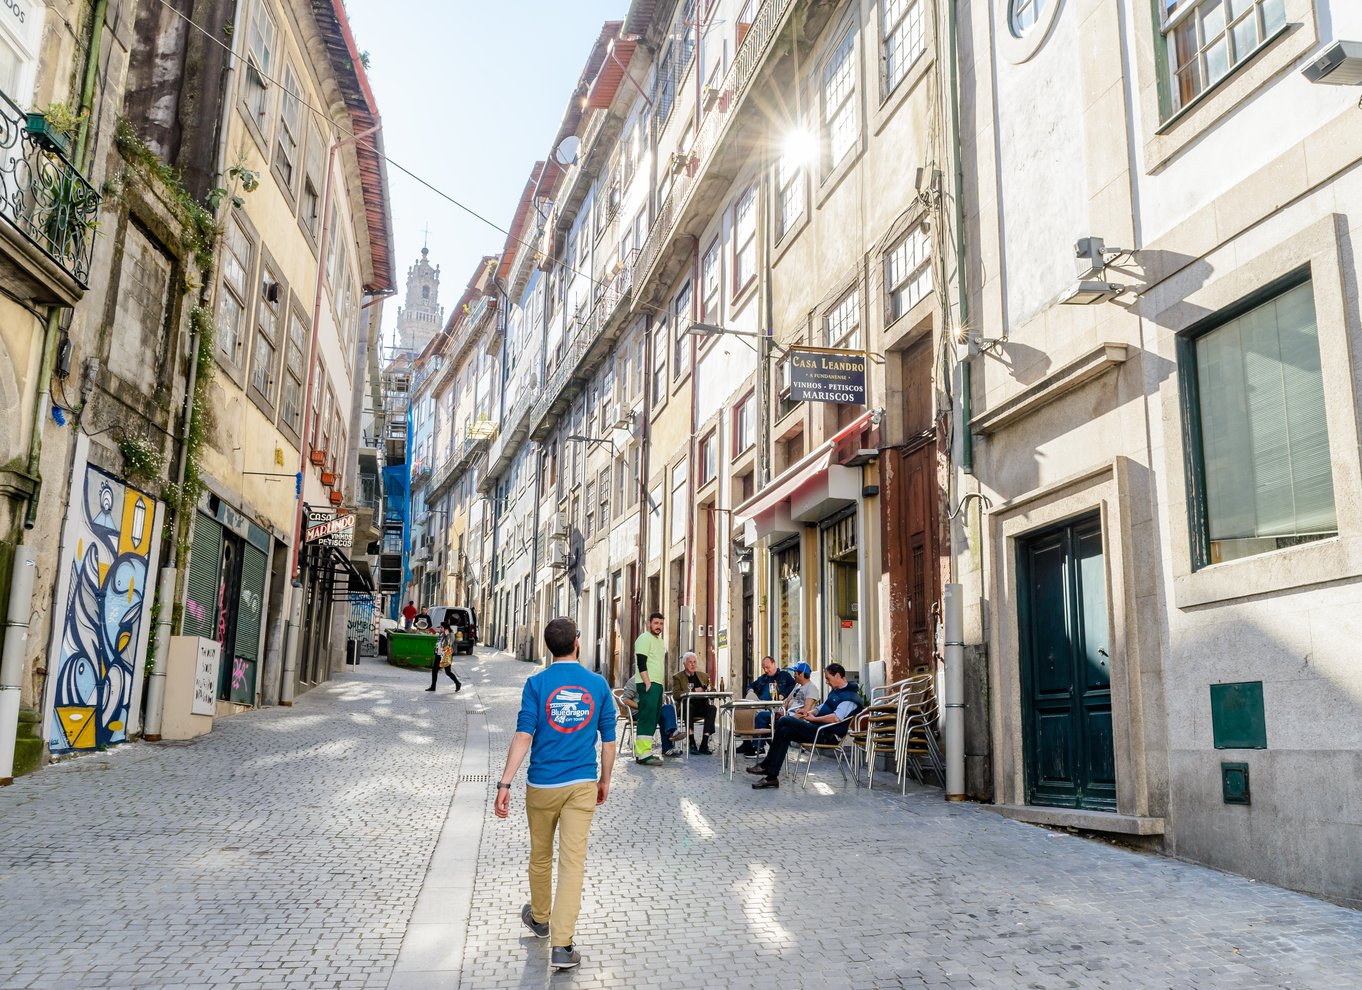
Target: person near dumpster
x=844 y=701
x=444 y=656
x=772 y=681
x=684 y=681
x=563 y=709
x=666 y=720
x=408 y=614
x=650 y=653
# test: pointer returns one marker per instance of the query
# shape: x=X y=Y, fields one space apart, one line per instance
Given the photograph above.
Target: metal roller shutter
x=201 y=591
x=248 y=616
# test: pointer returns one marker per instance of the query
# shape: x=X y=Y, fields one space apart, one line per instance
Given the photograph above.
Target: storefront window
x=841 y=596
x=789 y=610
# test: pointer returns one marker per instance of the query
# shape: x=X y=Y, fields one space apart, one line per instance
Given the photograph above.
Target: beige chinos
x=567 y=811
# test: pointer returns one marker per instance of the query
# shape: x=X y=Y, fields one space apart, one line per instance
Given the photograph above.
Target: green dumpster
x=411 y=649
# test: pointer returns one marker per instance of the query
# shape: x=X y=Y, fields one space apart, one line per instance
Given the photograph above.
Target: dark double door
x=1066 y=669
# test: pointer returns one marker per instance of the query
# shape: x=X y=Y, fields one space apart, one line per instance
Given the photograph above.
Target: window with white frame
x=310 y=203
x=289 y=134
x=903 y=38
x=840 y=127
x=745 y=239
x=660 y=344
x=744 y=424
x=1257 y=437
x=1022 y=15
x=1206 y=39
x=708 y=457
x=842 y=323
x=711 y=281
x=681 y=321
x=269 y=320
x=789 y=190
x=260 y=42
x=908 y=272
x=677 y=523
x=234 y=299
x=291 y=394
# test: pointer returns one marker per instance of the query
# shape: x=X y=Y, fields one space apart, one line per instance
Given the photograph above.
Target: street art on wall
x=362 y=626
x=104 y=613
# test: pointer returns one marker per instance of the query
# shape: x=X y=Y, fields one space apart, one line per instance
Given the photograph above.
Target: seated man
x=666 y=721
x=805 y=694
x=772 y=679
x=689 y=678
x=844 y=701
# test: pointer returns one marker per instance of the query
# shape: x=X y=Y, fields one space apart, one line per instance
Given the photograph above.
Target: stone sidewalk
x=348 y=842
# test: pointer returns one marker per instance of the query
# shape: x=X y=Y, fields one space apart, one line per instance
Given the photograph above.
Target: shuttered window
x=201 y=593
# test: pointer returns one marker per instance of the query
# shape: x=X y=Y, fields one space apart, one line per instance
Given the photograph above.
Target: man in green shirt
x=650 y=653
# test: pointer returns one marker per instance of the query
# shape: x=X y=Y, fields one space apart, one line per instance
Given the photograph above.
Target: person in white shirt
x=805 y=695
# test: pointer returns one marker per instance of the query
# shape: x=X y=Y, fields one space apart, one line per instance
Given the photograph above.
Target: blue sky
x=472 y=94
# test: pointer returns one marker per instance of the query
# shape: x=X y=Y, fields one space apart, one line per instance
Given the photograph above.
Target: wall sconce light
x=1338 y=65
x=1092 y=256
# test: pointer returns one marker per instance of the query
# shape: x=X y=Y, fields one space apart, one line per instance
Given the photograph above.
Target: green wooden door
x=1066 y=670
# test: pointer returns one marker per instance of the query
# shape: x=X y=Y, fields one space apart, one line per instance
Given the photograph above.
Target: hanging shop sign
x=820 y=374
x=330 y=531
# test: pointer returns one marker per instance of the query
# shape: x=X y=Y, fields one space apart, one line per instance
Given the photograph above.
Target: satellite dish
x=566 y=152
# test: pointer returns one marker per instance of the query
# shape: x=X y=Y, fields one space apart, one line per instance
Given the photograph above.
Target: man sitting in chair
x=689 y=678
x=772 y=681
x=844 y=701
x=666 y=720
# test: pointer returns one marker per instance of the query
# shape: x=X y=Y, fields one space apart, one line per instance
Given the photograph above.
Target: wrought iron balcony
x=50 y=212
x=583 y=348
x=751 y=53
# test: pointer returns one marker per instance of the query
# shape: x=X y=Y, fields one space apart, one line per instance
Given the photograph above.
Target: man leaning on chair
x=843 y=701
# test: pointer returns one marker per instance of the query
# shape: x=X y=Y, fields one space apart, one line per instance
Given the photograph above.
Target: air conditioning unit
x=558 y=555
x=560 y=526
x=620 y=416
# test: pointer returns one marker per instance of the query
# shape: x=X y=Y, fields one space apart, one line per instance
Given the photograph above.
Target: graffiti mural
x=104 y=617
x=362 y=625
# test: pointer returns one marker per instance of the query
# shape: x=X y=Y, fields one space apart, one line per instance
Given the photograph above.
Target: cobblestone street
x=311 y=848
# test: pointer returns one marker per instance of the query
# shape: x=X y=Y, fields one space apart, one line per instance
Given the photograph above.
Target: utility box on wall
x=1238 y=719
x=191 y=687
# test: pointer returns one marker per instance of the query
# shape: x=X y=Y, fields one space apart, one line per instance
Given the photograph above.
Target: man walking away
x=563 y=708
x=650 y=653
x=408 y=614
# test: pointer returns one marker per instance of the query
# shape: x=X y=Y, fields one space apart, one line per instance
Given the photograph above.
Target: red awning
x=802 y=473
x=607 y=81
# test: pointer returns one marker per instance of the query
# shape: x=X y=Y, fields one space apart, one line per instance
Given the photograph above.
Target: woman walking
x=444 y=656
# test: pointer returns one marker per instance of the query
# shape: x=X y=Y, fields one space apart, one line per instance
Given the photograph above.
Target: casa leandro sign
x=824 y=375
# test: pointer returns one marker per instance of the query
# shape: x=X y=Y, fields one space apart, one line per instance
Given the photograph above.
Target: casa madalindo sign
x=823 y=375
x=333 y=531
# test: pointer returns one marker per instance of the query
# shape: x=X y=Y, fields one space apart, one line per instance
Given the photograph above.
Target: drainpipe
x=644 y=450
x=695 y=290
x=87 y=89
x=12 y=659
x=156 y=687
x=962 y=296
x=315 y=334
x=167 y=588
x=954 y=702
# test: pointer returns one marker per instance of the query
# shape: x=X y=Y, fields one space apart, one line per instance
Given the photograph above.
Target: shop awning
x=350 y=579
x=810 y=470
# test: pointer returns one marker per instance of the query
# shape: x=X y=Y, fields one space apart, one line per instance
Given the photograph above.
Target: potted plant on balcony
x=52 y=128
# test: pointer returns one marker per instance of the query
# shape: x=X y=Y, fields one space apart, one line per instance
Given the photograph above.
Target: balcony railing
x=579 y=344
x=43 y=196
x=749 y=56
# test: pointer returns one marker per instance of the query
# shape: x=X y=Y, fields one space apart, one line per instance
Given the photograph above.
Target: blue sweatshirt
x=564 y=707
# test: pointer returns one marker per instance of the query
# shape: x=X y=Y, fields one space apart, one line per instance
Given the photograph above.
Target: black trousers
x=435 y=671
x=703 y=708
